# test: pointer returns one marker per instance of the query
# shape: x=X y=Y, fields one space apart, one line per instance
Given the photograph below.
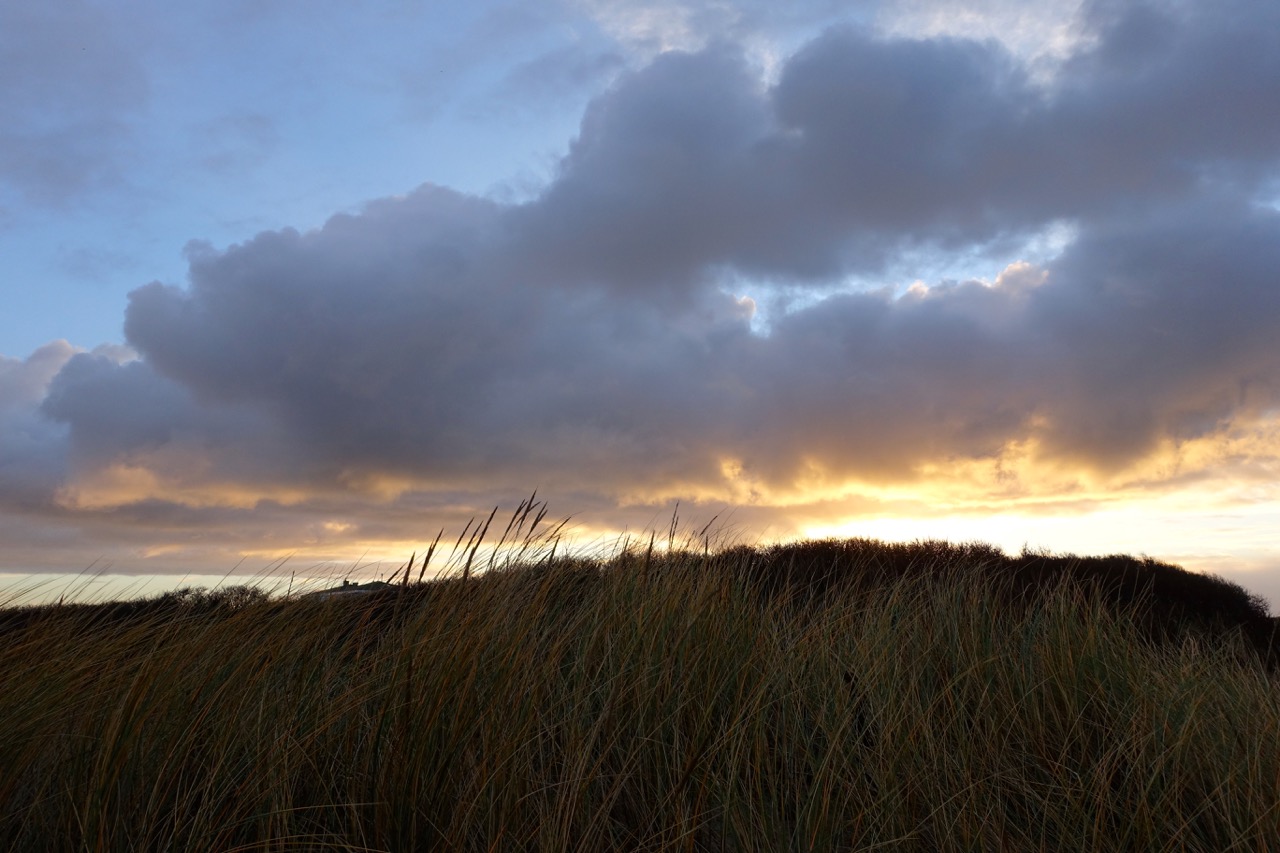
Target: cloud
x=459 y=68
x=23 y=381
x=72 y=85
x=398 y=342
x=870 y=147
x=550 y=78
x=236 y=142
x=1158 y=331
x=95 y=264
x=32 y=456
x=647 y=29
x=596 y=341
x=1170 y=323
x=1043 y=34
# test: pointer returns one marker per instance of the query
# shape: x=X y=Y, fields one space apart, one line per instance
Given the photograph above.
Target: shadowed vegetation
x=834 y=695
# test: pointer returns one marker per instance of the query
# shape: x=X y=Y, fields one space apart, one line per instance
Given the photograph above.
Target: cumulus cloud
x=1157 y=331
x=869 y=146
x=1043 y=34
x=595 y=340
x=689 y=25
x=32 y=456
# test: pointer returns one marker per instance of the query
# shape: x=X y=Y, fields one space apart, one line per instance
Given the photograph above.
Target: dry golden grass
x=649 y=702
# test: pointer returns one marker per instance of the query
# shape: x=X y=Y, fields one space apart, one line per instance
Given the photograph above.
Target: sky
x=296 y=285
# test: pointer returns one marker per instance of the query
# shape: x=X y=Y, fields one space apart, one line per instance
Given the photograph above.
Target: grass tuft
x=837 y=695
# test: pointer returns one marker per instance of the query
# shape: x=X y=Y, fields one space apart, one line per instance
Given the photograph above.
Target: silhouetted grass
x=835 y=695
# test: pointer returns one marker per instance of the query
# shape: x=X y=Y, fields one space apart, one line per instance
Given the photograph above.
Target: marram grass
x=660 y=703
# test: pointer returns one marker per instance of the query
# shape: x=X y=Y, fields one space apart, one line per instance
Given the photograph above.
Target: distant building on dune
x=348 y=588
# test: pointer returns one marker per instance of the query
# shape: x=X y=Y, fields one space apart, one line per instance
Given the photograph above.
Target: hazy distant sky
x=317 y=278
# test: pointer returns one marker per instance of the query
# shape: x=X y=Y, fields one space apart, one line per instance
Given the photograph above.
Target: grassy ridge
x=821 y=696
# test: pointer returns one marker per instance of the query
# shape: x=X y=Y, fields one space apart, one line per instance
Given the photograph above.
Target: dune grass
x=646 y=702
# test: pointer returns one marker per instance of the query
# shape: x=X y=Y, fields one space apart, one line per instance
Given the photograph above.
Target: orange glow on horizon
x=1201 y=502
x=123 y=483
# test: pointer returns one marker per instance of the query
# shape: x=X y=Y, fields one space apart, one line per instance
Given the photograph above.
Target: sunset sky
x=312 y=280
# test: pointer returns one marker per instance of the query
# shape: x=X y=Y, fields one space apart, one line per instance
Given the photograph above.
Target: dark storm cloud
x=582 y=340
